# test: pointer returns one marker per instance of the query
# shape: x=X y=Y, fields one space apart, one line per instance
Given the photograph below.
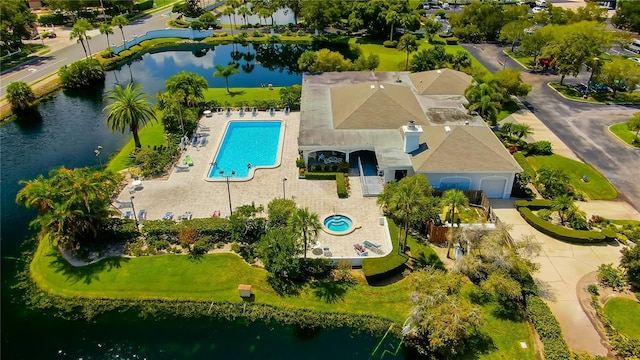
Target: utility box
x=244 y=290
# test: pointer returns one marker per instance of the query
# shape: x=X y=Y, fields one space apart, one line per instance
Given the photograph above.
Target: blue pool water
x=247 y=142
x=338 y=223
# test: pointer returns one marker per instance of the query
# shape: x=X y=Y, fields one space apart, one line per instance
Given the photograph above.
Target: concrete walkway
x=562 y=265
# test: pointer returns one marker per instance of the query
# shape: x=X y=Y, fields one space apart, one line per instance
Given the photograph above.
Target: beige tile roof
x=462 y=149
x=374 y=106
x=440 y=82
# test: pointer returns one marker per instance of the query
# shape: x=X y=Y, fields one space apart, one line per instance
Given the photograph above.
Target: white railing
x=164 y=33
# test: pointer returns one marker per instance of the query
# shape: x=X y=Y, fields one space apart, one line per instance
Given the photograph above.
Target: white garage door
x=493 y=188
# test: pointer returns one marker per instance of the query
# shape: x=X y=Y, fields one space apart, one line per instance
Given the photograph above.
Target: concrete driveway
x=562 y=265
x=582 y=126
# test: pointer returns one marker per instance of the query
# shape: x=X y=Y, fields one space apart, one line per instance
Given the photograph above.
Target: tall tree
x=534 y=44
x=20 y=95
x=229 y=11
x=244 y=12
x=130 y=109
x=295 y=6
x=627 y=16
x=460 y=60
x=16 y=20
x=409 y=201
x=563 y=205
x=187 y=87
x=431 y=28
x=455 y=200
x=634 y=125
x=305 y=225
x=510 y=82
x=620 y=74
x=106 y=29
x=226 y=72
x=485 y=99
x=320 y=14
x=408 y=43
x=392 y=18
x=71 y=204
x=513 y=32
x=121 y=22
x=79 y=32
x=233 y=4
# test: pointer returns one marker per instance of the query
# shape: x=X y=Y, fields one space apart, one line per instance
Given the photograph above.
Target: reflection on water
x=65 y=130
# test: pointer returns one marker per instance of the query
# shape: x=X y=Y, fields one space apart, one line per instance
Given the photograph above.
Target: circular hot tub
x=338 y=224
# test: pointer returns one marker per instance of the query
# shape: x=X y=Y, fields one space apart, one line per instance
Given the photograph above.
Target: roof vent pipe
x=466 y=122
x=411 y=124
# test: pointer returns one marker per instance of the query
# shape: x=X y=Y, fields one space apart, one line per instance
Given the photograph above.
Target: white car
x=537 y=9
x=541 y=2
x=637 y=60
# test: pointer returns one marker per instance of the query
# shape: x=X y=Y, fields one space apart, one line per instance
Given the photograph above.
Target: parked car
x=637 y=60
x=44 y=34
x=537 y=9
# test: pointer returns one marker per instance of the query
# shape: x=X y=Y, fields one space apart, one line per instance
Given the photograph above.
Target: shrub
x=390 y=44
x=81 y=73
x=544 y=214
x=219 y=229
x=197 y=25
x=320 y=175
x=524 y=164
x=53 y=19
x=221 y=34
x=610 y=276
x=593 y=289
x=257 y=33
x=274 y=39
x=20 y=95
x=301 y=33
x=107 y=53
x=116 y=229
x=300 y=163
x=555 y=348
x=542 y=147
x=559 y=232
x=287 y=33
x=535 y=204
x=451 y=40
x=579 y=223
x=341 y=187
x=144 y=5
x=441 y=13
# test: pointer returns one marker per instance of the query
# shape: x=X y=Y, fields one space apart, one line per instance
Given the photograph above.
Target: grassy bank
x=597 y=188
x=237 y=96
x=150 y=135
x=623 y=133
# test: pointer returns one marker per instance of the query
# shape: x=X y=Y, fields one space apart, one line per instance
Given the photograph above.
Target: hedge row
x=341 y=186
x=535 y=204
x=320 y=175
x=383 y=267
x=548 y=328
x=524 y=164
x=559 y=232
x=218 y=228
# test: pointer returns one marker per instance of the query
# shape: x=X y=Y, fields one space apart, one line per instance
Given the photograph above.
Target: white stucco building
x=387 y=125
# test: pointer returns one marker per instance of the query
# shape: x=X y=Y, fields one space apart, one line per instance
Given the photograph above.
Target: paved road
x=50 y=63
x=582 y=126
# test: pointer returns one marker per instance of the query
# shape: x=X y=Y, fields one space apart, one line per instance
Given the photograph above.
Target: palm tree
x=244 y=12
x=234 y=4
x=392 y=17
x=305 y=225
x=130 y=109
x=79 y=32
x=408 y=200
x=229 y=11
x=455 y=199
x=553 y=180
x=564 y=205
x=460 y=60
x=106 y=29
x=188 y=87
x=484 y=99
x=120 y=21
x=226 y=72
x=264 y=12
x=408 y=43
x=521 y=131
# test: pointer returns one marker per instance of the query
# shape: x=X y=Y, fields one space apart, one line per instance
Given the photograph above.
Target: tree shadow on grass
x=236 y=93
x=330 y=291
x=284 y=286
x=87 y=274
x=479 y=344
x=423 y=260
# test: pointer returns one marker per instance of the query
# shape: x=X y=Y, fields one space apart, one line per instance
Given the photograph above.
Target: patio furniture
x=241 y=113
x=327 y=252
x=181 y=168
x=168 y=216
x=203 y=142
x=128 y=215
x=207 y=113
x=188 y=160
x=142 y=215
x=287 y=110
x=216 y=213
x=228 y=111
x=373 y=247
x=255 y=111
x=186 y=216
x=194 y=140
x=272 y=111
x=333 y=160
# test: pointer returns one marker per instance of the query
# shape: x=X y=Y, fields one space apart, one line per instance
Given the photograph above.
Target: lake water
x=66 y=132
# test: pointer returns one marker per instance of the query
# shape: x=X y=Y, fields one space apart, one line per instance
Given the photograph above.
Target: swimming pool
x=247 y=142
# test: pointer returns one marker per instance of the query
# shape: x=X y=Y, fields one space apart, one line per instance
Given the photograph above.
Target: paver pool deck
x=188 y=191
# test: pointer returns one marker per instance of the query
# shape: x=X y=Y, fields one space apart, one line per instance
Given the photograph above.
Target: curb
x=590 y=311
x=612 y=134
x=587 y=101
x=516 y=61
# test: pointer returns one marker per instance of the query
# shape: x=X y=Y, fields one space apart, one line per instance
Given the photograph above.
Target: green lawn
x=210 y=278
x=238 y=96
x=625 y=222
x=506 y=335
x=624 y=315
x=509 y=108
x=597 y=188
x=622 y=131
x=152 y=134
x=391 y=59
